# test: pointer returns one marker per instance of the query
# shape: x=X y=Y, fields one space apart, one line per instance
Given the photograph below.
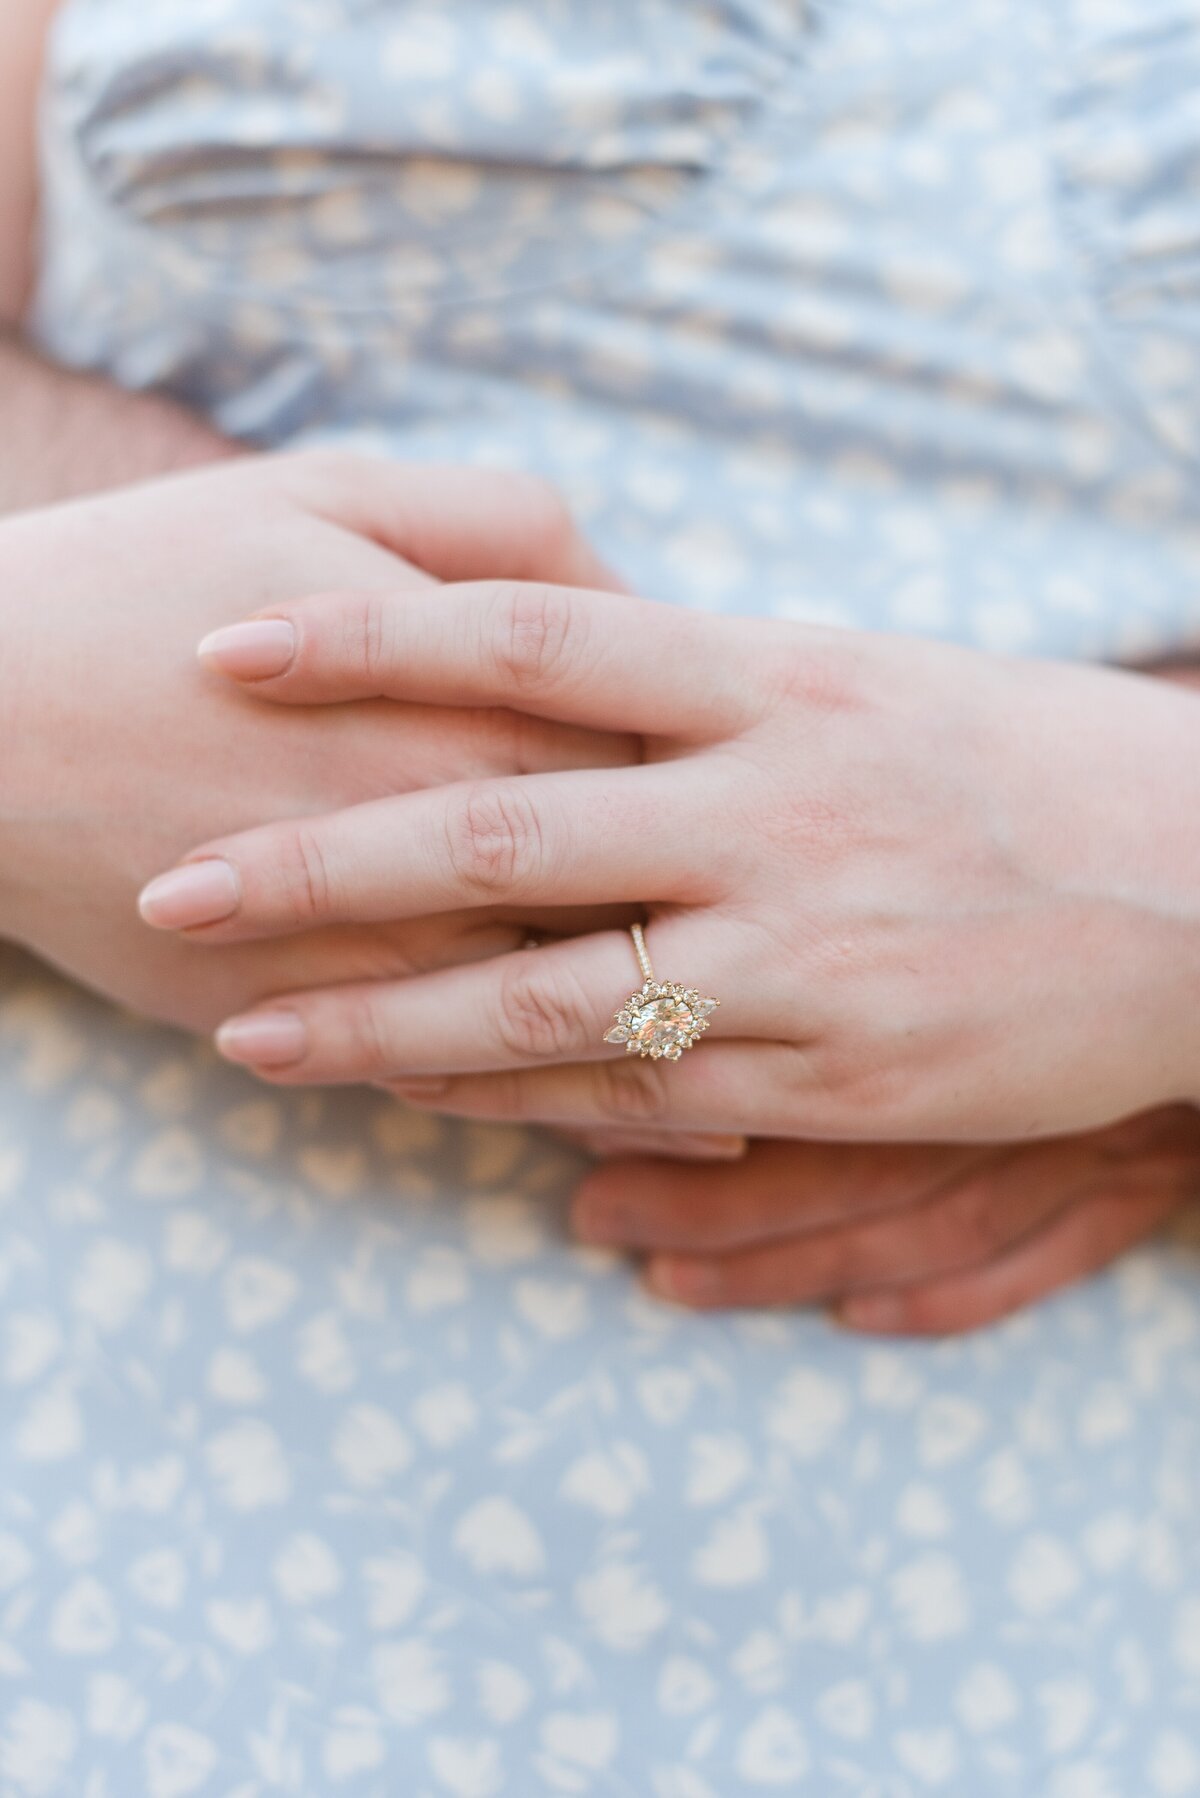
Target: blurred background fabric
x=328 y=1466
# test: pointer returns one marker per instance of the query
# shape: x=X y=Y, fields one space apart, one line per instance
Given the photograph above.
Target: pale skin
x=934 y=1236
x=972 y=927
x=115 y=759
x=998 y=940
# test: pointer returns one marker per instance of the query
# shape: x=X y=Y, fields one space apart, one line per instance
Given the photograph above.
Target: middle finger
x=589 y=837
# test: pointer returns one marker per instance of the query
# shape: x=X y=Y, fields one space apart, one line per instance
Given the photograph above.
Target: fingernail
x=419 y=1092
x=683 y=1282
x=268 y=1039
x=252 y=651
x=871 y=1311
x=200 y=893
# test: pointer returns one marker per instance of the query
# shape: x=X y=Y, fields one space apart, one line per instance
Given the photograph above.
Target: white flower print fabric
x=328 y=1466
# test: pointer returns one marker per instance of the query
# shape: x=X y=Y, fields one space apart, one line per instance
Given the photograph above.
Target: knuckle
x=542 y=1016
x=821 y=674
x=837 y=1070
x=630 y=1092
x=534 y=635
x=366 y=636
x=369 y=1041
x=509 y=1099
x=856 y=1084
x=307 y=886
x=493 y=840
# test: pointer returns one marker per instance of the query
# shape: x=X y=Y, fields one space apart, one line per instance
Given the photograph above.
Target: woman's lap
x=330 y=1465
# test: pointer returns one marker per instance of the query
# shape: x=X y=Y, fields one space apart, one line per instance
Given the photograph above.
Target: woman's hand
x=119 y=751
x=940 y=896
x=904 y=1240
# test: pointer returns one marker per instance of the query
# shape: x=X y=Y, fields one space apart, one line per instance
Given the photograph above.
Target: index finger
x=604 y=660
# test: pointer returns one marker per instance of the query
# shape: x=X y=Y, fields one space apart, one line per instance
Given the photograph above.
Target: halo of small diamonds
x=661 y=1020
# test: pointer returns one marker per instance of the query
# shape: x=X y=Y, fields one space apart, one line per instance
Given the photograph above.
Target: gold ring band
x=663 y=1018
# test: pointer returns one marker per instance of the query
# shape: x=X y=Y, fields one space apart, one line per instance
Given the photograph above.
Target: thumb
x=456 y=523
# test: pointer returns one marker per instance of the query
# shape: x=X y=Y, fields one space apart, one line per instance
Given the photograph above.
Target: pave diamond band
x=663 y=1018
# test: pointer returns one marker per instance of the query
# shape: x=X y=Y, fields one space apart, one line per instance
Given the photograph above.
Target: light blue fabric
x=327 y=1466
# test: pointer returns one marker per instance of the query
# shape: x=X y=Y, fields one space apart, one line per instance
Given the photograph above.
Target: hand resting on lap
x=120 y=751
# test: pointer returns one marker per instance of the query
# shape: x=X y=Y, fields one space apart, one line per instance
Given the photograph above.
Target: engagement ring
x=664 y=1018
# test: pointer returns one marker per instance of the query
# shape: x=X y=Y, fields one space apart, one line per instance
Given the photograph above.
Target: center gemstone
x=661 y=1023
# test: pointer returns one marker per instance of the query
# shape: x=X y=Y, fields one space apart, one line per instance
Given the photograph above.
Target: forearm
x=67 y=434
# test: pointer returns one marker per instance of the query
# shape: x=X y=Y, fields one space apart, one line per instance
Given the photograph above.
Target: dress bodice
x=878 y=313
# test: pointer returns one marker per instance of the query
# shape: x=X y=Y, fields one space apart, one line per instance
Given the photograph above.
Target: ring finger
x=511 y=1012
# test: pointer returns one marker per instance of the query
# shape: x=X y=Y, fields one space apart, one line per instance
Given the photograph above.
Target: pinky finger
x=1077 y=1243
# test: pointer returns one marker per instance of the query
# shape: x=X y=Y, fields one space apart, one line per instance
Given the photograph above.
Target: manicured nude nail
x=199 y=893
x=263 y=1039
x=256 y=650
x=871 y=1311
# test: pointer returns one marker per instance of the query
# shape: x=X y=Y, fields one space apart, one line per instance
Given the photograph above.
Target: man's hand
x=902 y=1240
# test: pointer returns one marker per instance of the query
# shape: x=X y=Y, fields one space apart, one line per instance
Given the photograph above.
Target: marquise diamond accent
x=661 y=1020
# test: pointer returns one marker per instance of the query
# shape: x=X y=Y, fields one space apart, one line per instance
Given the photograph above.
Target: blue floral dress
x=328 y=1466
